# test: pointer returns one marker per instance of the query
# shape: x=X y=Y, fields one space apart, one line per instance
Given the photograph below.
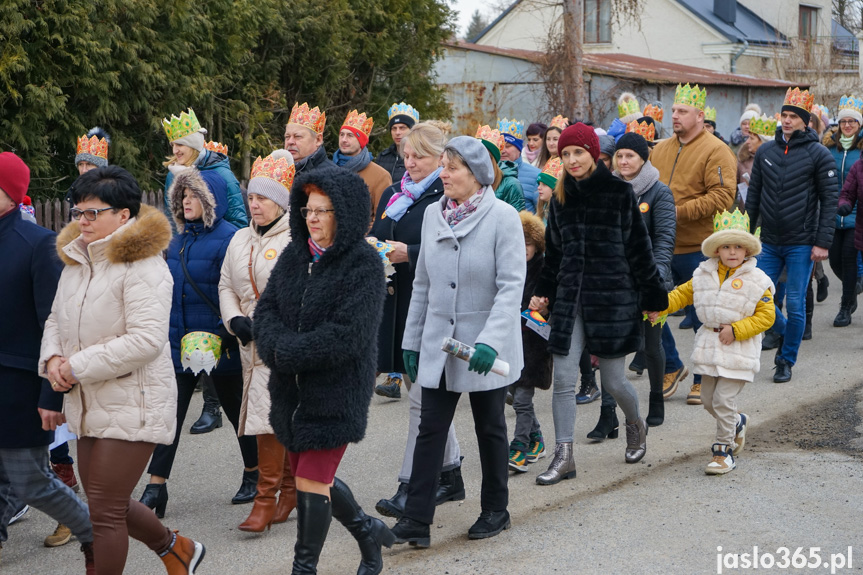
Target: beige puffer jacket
x=110 y=319
x=251 y=253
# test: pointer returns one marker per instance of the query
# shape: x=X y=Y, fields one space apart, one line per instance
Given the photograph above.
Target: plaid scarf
x=454 y=213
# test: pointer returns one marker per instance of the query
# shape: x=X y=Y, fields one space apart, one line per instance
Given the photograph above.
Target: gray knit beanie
x=270 y=188
x=476 y=156
x=606 y=145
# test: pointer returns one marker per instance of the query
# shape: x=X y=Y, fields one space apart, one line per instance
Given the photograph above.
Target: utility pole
x=573 y=30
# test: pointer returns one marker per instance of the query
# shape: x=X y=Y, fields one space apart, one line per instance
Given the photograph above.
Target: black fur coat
x=316 y=324
x=599 y=263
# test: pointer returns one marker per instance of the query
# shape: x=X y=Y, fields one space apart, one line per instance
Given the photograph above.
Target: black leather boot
x=314 y=513
x=607 y=426
x=371 y=533
x=656 y=409
x=211 y=416
x=155 y=497
x=248 y=488
x=394 y=506
x=413 y=532
x=451 y=486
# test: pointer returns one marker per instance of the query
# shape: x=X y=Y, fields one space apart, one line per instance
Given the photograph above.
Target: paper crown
x=731 y=221
x=851 y=103
x=820 y=109
x=359 y=122
x=554 y=168
x=402 y=109
x=644 y=129
x=217 y=147
x=709 y=114
x=799 y=99
x=654 y=111
x=276 y=169
x=512 y=128
x=691 y=96
x=490 y=135
x=559 y=122
x=313 y=119
x=177 y=128
x=627 y=104
x=95 y=146
x=763 y=126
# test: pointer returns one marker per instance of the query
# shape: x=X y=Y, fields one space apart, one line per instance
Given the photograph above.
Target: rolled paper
x=464 y=351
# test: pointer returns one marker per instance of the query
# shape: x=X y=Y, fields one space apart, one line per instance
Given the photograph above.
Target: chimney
x=726 y=10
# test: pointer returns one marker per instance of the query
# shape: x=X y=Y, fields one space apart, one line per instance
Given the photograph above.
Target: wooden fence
x=54 y=214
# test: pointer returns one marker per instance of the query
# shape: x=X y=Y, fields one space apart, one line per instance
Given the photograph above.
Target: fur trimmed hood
x=534 y=230
x=208 y=187
x=831 y=139
x=146 y=235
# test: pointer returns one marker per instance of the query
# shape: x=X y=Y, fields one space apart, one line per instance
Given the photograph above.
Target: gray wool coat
x=468 y=286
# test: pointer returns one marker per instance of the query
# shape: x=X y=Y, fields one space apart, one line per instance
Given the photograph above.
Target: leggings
x=654 y=355
x=613 y=379
x=110 y=469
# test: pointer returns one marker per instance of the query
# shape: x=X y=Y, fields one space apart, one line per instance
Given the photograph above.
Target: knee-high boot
x=314 y=513
x=370 y=532
x=271 y=462
x=287 y=493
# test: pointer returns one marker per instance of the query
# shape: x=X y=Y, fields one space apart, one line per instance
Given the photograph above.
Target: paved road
x=798 y=484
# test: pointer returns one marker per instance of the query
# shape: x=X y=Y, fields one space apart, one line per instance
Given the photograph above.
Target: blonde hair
x=443 y=126
x=172 y=159
x=542 y=209
x=426 y=139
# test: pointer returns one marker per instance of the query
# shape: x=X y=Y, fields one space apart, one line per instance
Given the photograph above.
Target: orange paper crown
x=799 y=99
x=644 y=129
x=313 y=119
x=277 y=169
x=559 y=122
x=553 y=167
x=490 y=135
x=94 y=146
x=654 y=112
x=218 y=147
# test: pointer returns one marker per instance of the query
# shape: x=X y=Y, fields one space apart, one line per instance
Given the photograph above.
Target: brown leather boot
x=183 y=556
x=271 y=461
x=288 y=495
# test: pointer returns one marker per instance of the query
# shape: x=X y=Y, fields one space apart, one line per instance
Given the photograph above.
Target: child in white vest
x=734 y=299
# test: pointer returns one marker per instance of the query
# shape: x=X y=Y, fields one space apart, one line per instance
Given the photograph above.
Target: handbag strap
x=252 y=276
x=195 y=285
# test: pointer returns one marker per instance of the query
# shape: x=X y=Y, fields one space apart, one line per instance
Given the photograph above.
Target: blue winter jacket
x=527 y=176
x=844 y=160
x=202 y=245
x=214 y=161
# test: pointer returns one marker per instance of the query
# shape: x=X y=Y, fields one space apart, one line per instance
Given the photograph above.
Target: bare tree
x=849 y=13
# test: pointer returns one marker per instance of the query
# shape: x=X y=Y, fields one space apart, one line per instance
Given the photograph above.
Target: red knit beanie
x=581 y=136
x=361 y=136
x=14 y=176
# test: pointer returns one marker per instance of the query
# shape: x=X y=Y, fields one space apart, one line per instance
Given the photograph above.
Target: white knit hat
x=751 y=112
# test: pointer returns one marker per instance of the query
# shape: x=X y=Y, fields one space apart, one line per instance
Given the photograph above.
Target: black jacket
x=537 y=370
x=391 y=161
x=31 y=270
x=657 y=208
x=407 y=230
x=599 y=264
x=316 y=324
x=319 y=159
x=793 y=191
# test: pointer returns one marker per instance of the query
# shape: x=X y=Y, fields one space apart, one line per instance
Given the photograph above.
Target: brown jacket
x=702 y=176
x=377 y=179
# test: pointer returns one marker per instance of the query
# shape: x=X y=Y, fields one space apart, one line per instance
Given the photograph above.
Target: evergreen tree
x=478 y=23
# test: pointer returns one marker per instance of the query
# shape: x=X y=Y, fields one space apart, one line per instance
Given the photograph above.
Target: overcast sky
x=466 y=8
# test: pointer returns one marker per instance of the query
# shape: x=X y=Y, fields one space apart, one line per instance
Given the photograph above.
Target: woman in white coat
x=250 y=259
x=105 y=345
x=468 y=286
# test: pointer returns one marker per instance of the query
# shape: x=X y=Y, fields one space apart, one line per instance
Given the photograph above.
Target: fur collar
x=142 y=237
x=192 y=179
x=831 y=139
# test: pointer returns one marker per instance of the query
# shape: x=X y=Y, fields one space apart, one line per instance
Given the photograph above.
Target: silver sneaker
x=562 y=466
x=636 y=440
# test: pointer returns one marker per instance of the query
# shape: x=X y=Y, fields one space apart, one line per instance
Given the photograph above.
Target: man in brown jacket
x=353 y=155
x=701 y=172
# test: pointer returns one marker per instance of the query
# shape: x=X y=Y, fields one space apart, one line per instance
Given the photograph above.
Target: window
x=597 y=21
x=808 y=22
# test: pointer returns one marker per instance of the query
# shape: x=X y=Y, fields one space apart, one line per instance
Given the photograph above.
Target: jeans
x=60 y=455
x=797 y=260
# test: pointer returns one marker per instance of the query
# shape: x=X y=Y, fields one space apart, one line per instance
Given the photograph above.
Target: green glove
x=482 y=359
x=412 y=361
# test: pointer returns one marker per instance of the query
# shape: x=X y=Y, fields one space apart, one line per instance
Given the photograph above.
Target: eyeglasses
x=319 y=212
x=847 y=122
x=90 y=214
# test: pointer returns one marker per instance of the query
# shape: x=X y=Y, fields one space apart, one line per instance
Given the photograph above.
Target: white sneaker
x=740 y=438
x=722 y=462
x=21 y=513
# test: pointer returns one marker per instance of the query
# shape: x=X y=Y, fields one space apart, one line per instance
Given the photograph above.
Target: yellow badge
x=644 y=207
x=270 y=254
x=737 y=284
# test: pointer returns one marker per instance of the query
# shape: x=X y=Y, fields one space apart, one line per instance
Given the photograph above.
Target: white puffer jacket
x=251 y=253
x=715 y=305
x=110 y=319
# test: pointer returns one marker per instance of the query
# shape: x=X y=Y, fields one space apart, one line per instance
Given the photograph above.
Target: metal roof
x=637 y=68
x=747 y=25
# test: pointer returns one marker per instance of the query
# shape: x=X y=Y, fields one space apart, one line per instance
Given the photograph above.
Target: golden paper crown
x=554 y=168
x=559 y=122
x=277 y=169
x=731 y=221
x=710 y=114
x=799 y=99
x=691 y=96
x=177 y=128
x=313 y=119
x=359 y=122
x=644 y=129
x=654 y=111
x=763 y=126
x=627 y=104
x=490 y=135
x=218 y=147
x=94 y=146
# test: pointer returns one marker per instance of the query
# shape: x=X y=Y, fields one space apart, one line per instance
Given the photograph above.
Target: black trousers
x=843 y=262
x=229 y=388
x=438 y=410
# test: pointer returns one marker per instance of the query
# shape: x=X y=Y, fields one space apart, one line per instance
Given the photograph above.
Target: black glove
x=242 y=327
x=844 y=210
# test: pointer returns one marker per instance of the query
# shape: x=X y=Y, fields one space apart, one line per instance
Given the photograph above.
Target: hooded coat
x=110 y=319
x=221 y=165
x=509 y=190
x=202 y=245
x=844 y=160
x=599 y=264
x=316 y=324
